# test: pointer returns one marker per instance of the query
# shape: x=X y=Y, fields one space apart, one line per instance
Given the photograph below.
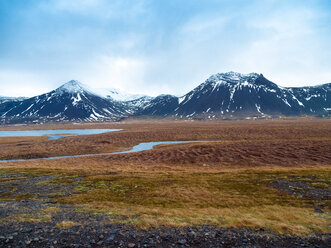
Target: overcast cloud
x=155 y=47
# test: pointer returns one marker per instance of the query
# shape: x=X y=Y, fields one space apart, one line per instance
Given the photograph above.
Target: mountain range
x=223 y=95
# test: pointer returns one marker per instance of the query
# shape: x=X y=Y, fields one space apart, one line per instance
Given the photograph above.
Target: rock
x=36 y=239
x=318 y=210
x=100 y=243
x=114 y=231
x=182 y=241
x=28 y=242
x=131 y=245
x=192 y=234
x=101 y=236
x=151 y=241
x=110 y=239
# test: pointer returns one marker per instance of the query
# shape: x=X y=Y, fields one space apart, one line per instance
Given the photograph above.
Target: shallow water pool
x=55 y=134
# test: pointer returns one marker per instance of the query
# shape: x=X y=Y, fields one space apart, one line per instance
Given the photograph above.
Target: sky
x=156 y=47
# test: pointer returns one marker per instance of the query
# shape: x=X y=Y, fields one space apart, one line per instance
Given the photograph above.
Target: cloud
x=123 y=73
x=22 y=83
x=290 y=50
x=157 y=47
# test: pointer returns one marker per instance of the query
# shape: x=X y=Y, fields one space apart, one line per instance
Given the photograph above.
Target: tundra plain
x=271 y=177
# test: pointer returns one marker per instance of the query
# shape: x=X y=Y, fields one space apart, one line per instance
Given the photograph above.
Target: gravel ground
x=96 y=234
x=303 y=189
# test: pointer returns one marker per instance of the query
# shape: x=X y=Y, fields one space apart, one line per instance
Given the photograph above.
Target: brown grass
x=21 y=140
x=220 y=183
x=295 y=138
x=66 y=224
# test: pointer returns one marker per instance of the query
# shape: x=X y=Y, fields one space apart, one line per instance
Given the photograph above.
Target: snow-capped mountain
x=232 y=93
x=71 y=101
x=222 y=95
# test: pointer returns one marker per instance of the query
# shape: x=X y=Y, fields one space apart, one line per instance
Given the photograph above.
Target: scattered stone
x=110 y=239
x=131 y=245
x=182 y=241
x=113 y=231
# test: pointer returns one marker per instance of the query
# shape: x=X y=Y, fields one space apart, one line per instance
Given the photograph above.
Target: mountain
x=71 y=101
x=11 y=99
x=162 y=105
x=223 y=95
x=233 y=92
x=316 y=99
x=117 y=95
x=236 y=94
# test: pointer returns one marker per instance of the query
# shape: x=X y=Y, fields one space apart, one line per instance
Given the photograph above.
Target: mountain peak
x=232 y=78
x=238 y=76
x=73 y=86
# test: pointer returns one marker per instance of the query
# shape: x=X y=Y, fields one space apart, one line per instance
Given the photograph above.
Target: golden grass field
x=225 y=183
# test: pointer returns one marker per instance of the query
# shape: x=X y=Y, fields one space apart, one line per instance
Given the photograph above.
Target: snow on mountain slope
x=228 y=93
x=161 y=105
x=117 y=95
x=314 y=98
x=71 y=101
x=232 y=93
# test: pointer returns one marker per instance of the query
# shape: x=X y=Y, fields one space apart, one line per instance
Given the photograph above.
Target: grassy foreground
x=272 y=175
x=231 y=198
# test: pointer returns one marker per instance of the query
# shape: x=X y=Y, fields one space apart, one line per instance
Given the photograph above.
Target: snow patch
x=76 y=99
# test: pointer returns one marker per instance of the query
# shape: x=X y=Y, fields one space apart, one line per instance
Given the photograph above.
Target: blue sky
x=156 y=46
